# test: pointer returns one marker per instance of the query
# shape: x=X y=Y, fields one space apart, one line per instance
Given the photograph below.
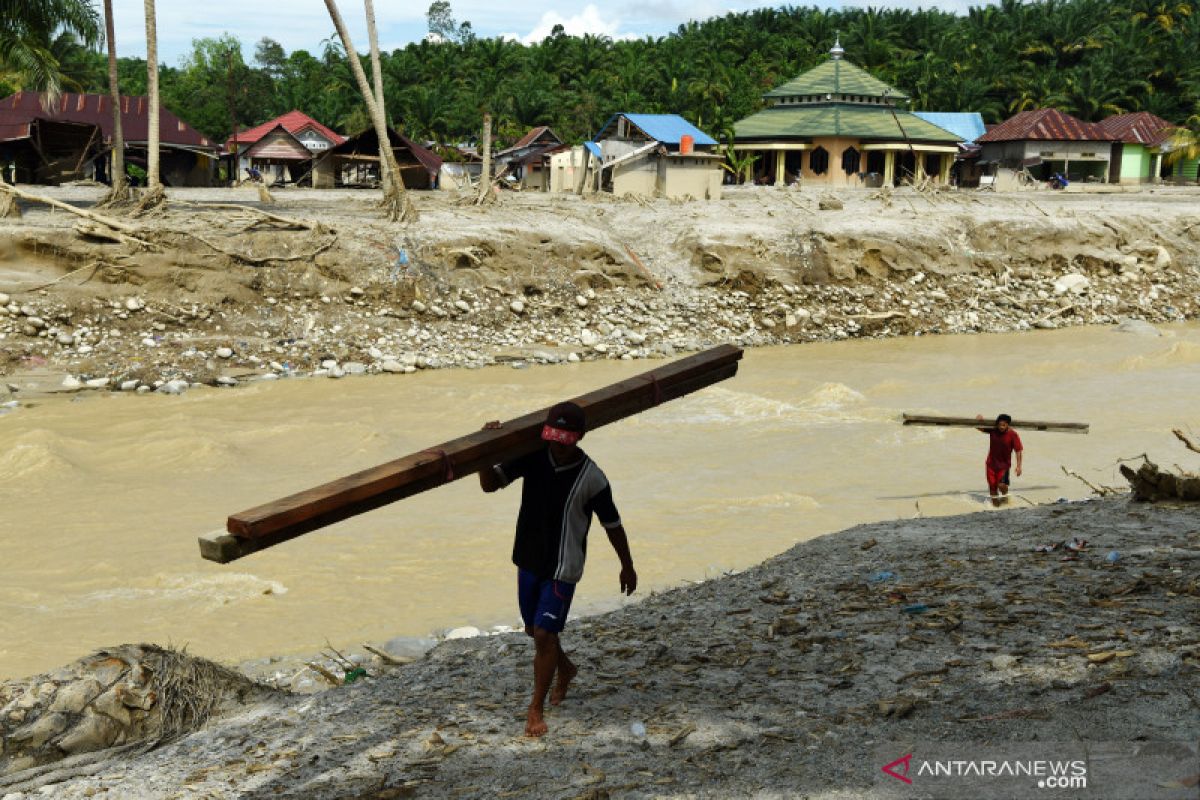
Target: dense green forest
x=1090 y=58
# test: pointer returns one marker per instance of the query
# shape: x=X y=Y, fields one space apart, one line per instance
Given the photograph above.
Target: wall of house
x=834 y=175
x=682 y=176
x=322 y=174
x=1185 y=170
x=1136 y=163
x=639 y=176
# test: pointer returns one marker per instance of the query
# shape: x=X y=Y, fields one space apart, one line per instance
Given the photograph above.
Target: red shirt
x=1002 y=447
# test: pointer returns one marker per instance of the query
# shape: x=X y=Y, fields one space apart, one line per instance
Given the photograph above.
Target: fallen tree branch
x=92 y=265
x=258 y=261
x=387 y=657
x=1181 y=436
x=308 y=225
x=1102 y=491
x=116 y=225
x=91 y=230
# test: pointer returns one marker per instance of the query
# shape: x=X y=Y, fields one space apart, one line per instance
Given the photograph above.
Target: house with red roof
x=1045 y=141
x=355 y=163
x=284 y=147
x=527 y=162
x=1140 y=140
x=72 y=139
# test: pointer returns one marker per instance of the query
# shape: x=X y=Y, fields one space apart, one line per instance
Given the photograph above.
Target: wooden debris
x=289 y=517
x=1019 y=424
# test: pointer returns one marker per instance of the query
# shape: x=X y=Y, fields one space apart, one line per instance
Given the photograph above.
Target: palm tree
x=1185 y=143
x=154 y=195
x=377 y=78
x=396 y=201
x=119 y=184
x=27 y=28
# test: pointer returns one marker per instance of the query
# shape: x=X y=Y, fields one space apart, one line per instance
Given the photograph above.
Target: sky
x=304 y=24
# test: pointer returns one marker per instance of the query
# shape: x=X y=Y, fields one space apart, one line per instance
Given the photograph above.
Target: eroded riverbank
x=781 y=681
x=229 y=297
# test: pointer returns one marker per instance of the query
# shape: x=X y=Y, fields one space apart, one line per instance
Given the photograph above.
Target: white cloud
x=588 y=20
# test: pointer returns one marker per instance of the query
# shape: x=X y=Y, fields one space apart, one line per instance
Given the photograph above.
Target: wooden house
x=527 y=162
x=837 y=125
x=355 y=163
x=283 y=148
x=187 y=158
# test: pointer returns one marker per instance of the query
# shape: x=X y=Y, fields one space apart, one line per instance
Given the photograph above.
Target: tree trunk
x=396 y=201
x=154 y=191
x=485 y=173
x=153 y=176
x=120 y=188
x=385 y=176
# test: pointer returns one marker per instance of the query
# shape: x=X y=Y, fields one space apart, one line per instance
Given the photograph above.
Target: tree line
x=1090 y=58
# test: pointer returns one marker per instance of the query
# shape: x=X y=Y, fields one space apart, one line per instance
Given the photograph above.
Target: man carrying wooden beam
x=1004 y=442
x=562 y=489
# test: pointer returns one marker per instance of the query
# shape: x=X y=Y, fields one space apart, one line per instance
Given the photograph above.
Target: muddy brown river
x=102 y=496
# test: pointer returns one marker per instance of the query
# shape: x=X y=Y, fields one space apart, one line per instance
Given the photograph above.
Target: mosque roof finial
x=836 y=52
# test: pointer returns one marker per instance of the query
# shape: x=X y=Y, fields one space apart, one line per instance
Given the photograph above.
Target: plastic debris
x=880 y=577
x=638 y=729
x=1112 y=557
x=915 y=608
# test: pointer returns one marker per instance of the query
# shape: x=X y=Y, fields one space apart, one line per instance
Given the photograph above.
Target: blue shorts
x=544 y=603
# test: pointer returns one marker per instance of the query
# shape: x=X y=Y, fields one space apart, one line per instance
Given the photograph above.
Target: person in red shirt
x=1004 y=442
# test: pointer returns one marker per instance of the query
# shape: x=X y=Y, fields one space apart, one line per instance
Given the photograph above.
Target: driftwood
x=258 y=261
x=1102 y=491
x=1149 y=483
x=303 y=224
x=116 y=225
x=92 y=230
x=1181 y=436
x=970 y=422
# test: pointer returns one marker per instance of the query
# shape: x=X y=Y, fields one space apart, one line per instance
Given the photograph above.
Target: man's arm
x=981 y=419
x=620 y=543
x=1020 y=451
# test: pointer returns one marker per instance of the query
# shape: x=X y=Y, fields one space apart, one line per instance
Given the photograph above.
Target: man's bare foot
x=534 y=724
x=563 y=682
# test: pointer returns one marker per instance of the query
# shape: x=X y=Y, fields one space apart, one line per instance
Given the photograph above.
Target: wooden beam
x=1019 y=424
x=280 y=520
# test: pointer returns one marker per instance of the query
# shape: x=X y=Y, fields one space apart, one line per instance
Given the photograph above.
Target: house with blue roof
x=660 y=155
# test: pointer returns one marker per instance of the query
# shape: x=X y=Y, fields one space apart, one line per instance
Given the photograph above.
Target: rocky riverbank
x=227 y=296
x=1056 y=623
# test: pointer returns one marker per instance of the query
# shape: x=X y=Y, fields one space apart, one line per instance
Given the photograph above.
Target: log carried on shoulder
x=278 y=521
x=1019 y=424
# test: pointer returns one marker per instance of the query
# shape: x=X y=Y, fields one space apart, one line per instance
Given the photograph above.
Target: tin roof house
x=656 y=155
x=528 y=160
x=1139 y=142
x=63 y=146
x=1045 y=141
x=837 y=124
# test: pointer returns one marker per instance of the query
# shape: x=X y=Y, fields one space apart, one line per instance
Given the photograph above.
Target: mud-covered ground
x=224 y=295
x=786 y=680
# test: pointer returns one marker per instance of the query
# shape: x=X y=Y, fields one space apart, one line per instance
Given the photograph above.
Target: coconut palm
x=27 y=29
x=119 y=183
x=377 y=79
x=396 y=200
x=1184 y=143
x=153 y=176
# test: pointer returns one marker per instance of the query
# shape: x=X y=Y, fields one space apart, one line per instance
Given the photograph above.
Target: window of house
x=818 y=161
x=850 y=159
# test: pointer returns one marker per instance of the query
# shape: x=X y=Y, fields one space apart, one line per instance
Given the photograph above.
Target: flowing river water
x=102 y=496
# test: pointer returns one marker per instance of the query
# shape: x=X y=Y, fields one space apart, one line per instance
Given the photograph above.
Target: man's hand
x=628 y=580
x=1018 y=470
x=979 y=417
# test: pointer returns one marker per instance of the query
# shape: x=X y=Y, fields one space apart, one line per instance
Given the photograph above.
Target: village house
x=1046 y=141
x=644 y=154
x=527 y=162
x=1141 y=140
x=837 y=125
x=72 y=140
x=284 y=148
x=355 y=163
x=967 y=126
